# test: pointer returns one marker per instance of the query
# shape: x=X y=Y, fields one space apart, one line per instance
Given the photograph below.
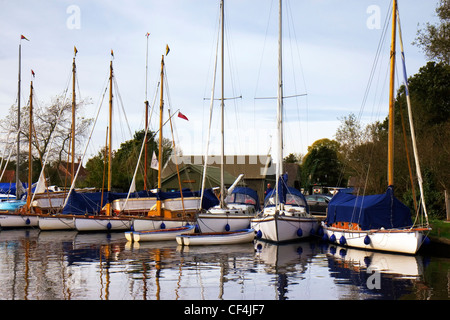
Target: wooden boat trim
x=372 y=231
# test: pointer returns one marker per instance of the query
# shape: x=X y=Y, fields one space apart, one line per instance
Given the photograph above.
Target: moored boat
x=285 y=216
x=225 y=216
x=381 y=222
x=159 y=235
x=217 y=238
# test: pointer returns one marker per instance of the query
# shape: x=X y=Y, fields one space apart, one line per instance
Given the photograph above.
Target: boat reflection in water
x=374 y=275
x=69 y=265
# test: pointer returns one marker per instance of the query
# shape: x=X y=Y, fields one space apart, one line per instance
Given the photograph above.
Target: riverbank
x=440 y=232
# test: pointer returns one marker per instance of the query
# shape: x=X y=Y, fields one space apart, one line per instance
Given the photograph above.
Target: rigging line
x=302 y=72
x=375 y=62
x=116 y=87
x=211 y=107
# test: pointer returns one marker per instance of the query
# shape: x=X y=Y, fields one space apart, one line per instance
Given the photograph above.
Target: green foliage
x=434 y=39
x=321 y=164
x=124 y=162
x=364 y=151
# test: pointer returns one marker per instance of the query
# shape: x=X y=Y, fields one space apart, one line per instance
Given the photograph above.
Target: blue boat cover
x=248 y=192
x=370 y=212
x=91 y=203
x=287 y=195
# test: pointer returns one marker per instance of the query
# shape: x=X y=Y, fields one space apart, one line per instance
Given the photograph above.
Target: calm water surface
x=66 y=265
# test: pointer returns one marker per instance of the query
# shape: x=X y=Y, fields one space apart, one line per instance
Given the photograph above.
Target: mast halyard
x=391 y=98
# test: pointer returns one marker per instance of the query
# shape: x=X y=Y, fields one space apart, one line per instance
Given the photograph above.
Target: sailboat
x=10 y=207
x=20 y=215
x=168 y=214
x=285 y=216
x=224 y=217
x=50 y=204
x=379 y=222
x=95 y=219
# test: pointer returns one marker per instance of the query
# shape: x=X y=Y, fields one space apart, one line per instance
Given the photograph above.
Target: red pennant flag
x=182 y=116
x=32 y=73
x=23 y=37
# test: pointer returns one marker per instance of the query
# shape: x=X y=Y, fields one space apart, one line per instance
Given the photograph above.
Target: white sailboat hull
x=159 y=235
x=56 y=222
x=133 y=205
x=217 y=238
x=220 y=220
x=145 y=224
x=398 y=240
x=283 y=228
x=102 y=223
x=16 y=220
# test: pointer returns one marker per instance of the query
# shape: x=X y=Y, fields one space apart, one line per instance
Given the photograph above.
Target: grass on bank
x=440 y=229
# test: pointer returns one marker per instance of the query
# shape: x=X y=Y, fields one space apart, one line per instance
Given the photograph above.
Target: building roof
x=212 y=173
x=253 y=167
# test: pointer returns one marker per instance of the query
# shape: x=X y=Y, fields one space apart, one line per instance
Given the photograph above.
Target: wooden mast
x=391 y=98
x=160 y=153
x=18 y=195
x=73 y=116
x=146 y=120
x=30 y=159
x=108 y=205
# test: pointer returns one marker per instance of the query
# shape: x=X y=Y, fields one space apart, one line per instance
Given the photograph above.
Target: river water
x=67 y=265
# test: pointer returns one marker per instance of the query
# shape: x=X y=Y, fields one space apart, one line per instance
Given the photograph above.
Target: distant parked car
x=318 y=203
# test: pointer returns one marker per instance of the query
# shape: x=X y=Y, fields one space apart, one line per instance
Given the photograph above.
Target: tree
x=124 y=161
x=321 y=164
x=293 y=158
x=365 y=158
x=52 y=122
x=434 y=39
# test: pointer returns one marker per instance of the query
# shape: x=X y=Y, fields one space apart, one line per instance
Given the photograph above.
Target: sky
x=329 y=48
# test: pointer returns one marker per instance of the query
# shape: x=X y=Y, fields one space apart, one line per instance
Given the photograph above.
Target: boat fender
x=333 y=250
x=227 y=227
x=27 y=221
x=259 y=234
x=343 y=253
x=320 y=231
x=108 y=226
x=367 y=240
x=342 y=240
x=333 y=238
x=312 y=232
x=324 y=237
x=259 y=246
x=162 y=226
x=299 y=232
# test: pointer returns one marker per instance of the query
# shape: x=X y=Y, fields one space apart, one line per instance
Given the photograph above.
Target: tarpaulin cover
x=92 y=202
x=370 y=212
